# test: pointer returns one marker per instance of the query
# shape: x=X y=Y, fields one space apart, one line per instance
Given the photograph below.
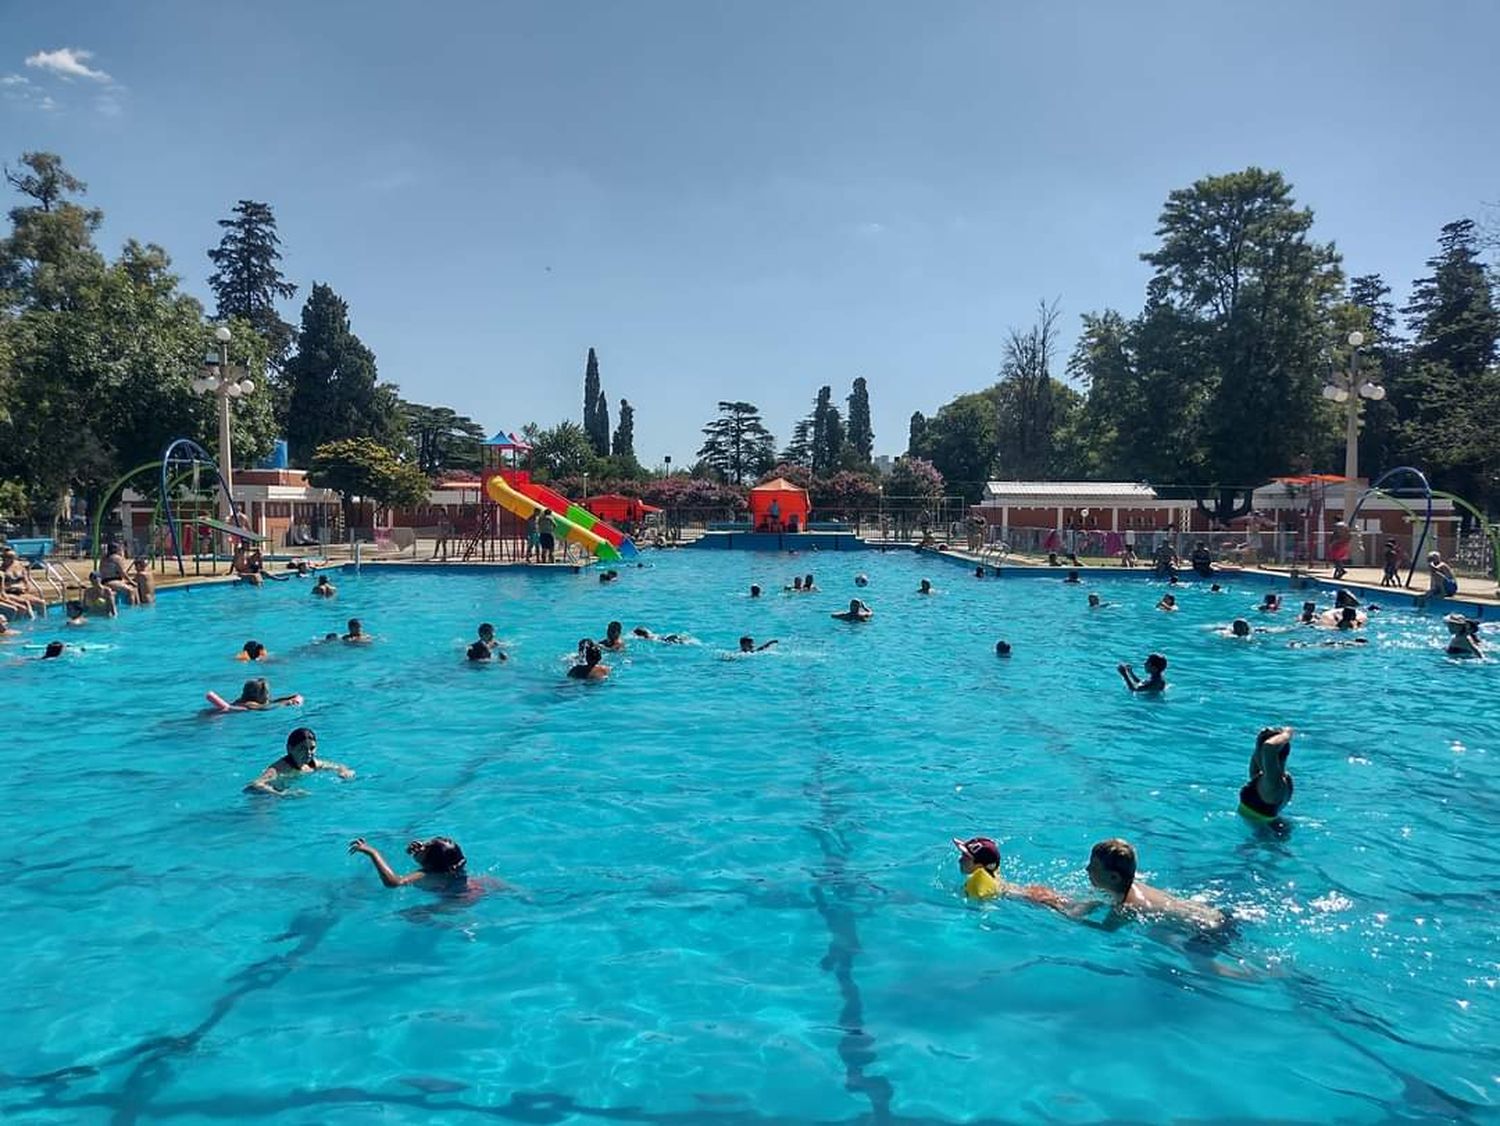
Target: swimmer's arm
x=767 y=645
x=387 y=876
x=337 y=767
x=284 y=701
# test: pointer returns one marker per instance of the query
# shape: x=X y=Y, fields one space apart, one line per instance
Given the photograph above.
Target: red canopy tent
x=619 y=509
x=790 y=509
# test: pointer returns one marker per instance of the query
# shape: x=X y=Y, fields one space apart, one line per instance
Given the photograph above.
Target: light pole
x=227 y=383
x=1346 y=388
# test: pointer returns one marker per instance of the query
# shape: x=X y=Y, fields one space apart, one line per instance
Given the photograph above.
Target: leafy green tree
x=1033 y=409
x=737 y=443
x=799 y=450
x=50 y=250
x=799 y=475
x=962 y=441
x=1237 y=261
x=623 y=446
x=564 y=450
x=444 y=440
x=247 y=282
x=861 y=436
x=362 y=468
x=334 y=389
x=914 y=484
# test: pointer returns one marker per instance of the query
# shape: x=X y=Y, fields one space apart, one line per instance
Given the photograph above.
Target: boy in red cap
x=979 y=861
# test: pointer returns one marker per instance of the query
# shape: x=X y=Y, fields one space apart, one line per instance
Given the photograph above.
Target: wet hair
x=1093 y=600
x=256 y=690
x=331 y=636
x=486 y=628
x=1169 y=599
x=613 y=629
x=592 y=654
x=442 y=856
x=747 y=644
x=979 y=571
x=641 y=631
x=253 y=649
x=479 y=651
x=354 y=625
x=1002 y=648
x=1215 y=587
x=1349 y=616
x=1345 y=597
x=754 y=590
x=1116 y=857
x=1240 y=628
x=54 y=649
x=300 y=735
x=1155 y=662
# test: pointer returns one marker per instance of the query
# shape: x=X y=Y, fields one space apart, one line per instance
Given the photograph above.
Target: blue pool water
x=734 y=899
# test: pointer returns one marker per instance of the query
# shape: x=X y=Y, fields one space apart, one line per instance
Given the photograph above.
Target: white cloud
x=67 y=62
x=15 y=80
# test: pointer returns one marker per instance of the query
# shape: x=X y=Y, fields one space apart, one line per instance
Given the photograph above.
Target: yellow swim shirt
x=981 y=884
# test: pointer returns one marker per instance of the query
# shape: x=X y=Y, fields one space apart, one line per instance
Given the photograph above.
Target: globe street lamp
x=1346 y=388
x=218 y=378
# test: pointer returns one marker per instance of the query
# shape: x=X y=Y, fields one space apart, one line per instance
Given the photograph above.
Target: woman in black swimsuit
x=300 y=758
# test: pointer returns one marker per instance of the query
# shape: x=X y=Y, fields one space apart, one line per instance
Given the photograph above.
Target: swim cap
x=981 y=850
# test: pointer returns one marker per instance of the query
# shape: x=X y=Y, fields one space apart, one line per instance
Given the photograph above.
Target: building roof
x=1069 y=493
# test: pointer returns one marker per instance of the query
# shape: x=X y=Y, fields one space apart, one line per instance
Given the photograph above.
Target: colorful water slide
x=562 y=506
x=501 y=493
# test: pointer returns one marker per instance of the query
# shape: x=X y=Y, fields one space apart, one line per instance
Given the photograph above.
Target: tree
x=861 y=436
x=444 y=440
x=827 y=433
x=49 y=254
x=595 y=408
x=1235 y=258
x=914 y=484
x=1032 y=408
x=916 y=431
x=845 y=493
x=962 y=442
x=623 y=446
x=334 y=389
x=247 y=282
x=737 y=443
x=563 y=450
x=363 y=468
x=799 y=450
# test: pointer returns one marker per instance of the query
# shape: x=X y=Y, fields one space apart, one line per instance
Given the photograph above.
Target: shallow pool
x=733 y=894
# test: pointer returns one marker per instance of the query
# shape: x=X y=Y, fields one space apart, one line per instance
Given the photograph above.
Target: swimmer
x=857 y=612
x=608 y=576
x=1072 y=578
x=1309 y=613
x=1271 y=604
x=442 y=864
x=979 y=862
x=76 y=616
x=1156 y=664
x=1112 y=869
x=251 y=651
x=1215 y=588
x=53 y=651
x=1052 y=559
x=145 y=583
x=1348 y=619
x=487 y=639
x=1237 y=628
x=747 y=645
x=1270 y=786
x=612 y=639
x=1168 y=603
x=1344 y=597
x=1002 y=648
x=323 y=588
x=1095 y=603
x=590 y=668
x=807 y=584
x=1463 y=636
x=356 y=634
x=861 y=579
x=98 y=598
x=670 y=639
x=256 y=696
x=925 y=587
x=754 y=590
x=479 y=651
x=300 y=758
x=796 y=587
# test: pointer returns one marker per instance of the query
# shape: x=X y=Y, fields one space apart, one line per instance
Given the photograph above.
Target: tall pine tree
x=624 y=439
x=595 y=408
x=334 y=389
x=827 y=434
x=247 y=280
x=861 y=436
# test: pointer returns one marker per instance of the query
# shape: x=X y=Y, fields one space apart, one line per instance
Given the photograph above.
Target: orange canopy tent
x=618 y=508
x=778 y=506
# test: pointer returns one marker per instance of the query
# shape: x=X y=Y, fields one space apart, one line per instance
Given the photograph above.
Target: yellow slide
x=523 y=506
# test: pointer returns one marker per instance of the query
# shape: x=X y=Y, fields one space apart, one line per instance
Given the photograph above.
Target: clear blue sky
x=742 y=200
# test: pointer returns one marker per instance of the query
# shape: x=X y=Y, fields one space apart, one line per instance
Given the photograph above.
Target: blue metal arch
x=1375 y=490
x=197 y=456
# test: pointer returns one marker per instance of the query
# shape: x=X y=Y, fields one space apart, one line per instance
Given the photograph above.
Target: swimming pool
x=734 y=897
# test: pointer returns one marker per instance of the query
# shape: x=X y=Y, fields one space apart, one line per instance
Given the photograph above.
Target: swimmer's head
x=478 y=651
x=592 y=654
x=255 y=691
x=797 y=583
x=486 y=632
x=1239 y=627
x=302 y=745
x=979 y=572
x=977 y=852
x=1072 y=577
x=1002 y=648
x=1156 y=663
x=754 y=590
x=612 y=631
x=925 y=587
x=1112 y=866
x=1272 y=600
x=1169 y=600
x=355 y=628
x=440 y=856
x=855 y=606
x=54 y=649
x=331 y=636
x=1214 y=588
x=1308 y=610
x=747 y=644
x=1348 y=617
x=641 y=631
x=253 y=650
x=1094 y=600
x=861 y=580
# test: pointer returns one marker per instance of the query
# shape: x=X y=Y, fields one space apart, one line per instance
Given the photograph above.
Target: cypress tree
x=624 y=443
x=861 y=437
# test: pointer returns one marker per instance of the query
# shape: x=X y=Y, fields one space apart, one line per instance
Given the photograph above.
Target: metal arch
x=1427 y=523
x=199 y=456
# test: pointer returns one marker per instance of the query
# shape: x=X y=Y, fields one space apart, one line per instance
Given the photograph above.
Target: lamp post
x=218 y=378
x=1346 y=388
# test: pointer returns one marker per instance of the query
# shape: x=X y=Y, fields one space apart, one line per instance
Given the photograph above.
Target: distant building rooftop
x=1069 y=493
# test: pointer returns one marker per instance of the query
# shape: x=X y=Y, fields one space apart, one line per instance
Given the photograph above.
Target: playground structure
x=1490 y=531
x=181 y=469
x=509 y=497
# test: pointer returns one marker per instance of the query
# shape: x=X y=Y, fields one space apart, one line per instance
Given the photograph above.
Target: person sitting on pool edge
x=443 y=865
x=747 y=645
x=356 y=634
x=1463 y=636
x=251 y=651
x=589 y=668
x=612 y=639
x=1156 y=664
x=1112 y=869
x=1270 y=785
x=857 y=612
x=256 y=696
x=925 y=587
x=300 y=758
x=323 y=588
